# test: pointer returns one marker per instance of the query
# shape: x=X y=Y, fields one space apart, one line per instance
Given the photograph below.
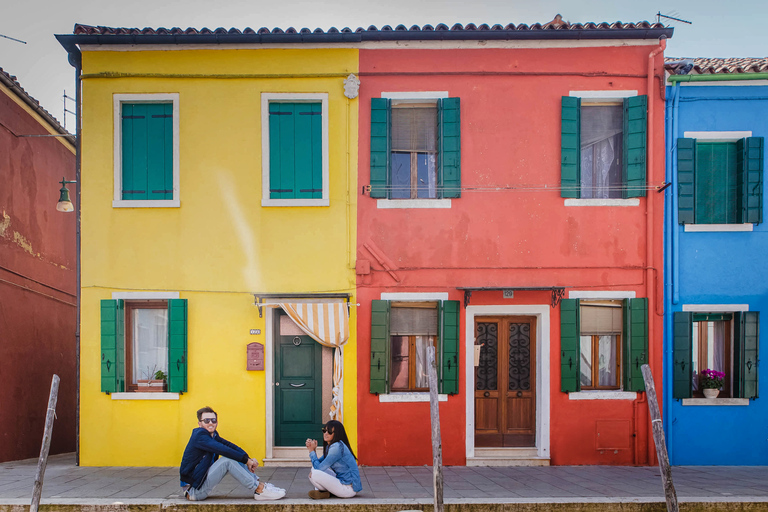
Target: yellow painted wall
x=218 y=248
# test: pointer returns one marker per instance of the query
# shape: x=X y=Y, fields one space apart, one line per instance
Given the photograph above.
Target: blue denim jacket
x=340 y=459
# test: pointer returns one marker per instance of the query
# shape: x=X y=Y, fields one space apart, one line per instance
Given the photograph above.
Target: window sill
x=410 y=397
x=703 y=228
x=603 y=395
x=164 y=203
x=295 y=202
x=715 y=401
x=145 y=396
x=413 y=203
x=635 y=201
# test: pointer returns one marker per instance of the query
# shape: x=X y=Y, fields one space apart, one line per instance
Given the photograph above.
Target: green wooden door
x=298 y=388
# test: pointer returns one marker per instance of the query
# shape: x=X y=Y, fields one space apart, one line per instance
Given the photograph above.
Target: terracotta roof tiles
x=703 y=66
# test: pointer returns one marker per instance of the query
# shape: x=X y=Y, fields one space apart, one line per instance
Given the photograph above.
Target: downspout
x=675 y=252
x=649 y=216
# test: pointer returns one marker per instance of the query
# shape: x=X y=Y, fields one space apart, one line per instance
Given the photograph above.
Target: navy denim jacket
x=340 y=459
x=202 y=451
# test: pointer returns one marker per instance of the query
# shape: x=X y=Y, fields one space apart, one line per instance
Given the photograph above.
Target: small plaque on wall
x=255 y=354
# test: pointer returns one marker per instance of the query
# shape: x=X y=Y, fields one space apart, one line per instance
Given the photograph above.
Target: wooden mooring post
x=43 y=461
x=658 y=438
x=437 y=445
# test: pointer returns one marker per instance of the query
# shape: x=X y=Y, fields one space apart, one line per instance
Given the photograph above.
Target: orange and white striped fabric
x=328 y=324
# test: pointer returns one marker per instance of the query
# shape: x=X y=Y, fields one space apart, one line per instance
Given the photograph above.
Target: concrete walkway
x=390 y=488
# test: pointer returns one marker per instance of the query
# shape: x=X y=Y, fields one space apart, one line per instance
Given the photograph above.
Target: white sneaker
x=270 y=492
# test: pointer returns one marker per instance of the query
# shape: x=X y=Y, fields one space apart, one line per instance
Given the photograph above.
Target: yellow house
x=218 y=198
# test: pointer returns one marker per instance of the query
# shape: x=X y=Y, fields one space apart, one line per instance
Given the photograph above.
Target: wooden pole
x=43 y=461
x=437 y=445
x=658 y=439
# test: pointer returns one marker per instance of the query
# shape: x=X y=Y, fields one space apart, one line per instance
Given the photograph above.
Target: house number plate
x=255 y=331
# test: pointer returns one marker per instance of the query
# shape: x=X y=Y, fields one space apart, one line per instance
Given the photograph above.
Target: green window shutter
x=450 y=147
x=449 y=330
x=112 y=346
x=570 y=148
x=177 y=345
x=751 y=155
x=747 y=336
x=715 y=188
x=686 y=174
x=570 y=353
x=380 y=119
x=682 y=346
x=635 y=136
x=380 y=343
x=147 y=147
x=295 y=150
x=635 y=347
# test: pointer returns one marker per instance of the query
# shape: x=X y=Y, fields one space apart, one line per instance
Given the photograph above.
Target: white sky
x=719 y=29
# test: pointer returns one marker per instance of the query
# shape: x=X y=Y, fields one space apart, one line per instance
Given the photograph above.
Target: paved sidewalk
x=67 y=483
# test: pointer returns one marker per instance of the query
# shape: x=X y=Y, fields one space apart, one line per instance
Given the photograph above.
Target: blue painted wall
x=715 y=268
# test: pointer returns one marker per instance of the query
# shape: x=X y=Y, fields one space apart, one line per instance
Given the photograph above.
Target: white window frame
x=117 y=102
x=399 y=98
x=290 y=97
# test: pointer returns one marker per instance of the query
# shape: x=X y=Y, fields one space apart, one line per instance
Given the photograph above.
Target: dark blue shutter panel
x=112 y=346
x=177 y=345
x=635 y=144
x=380 y=119
x=749 y=202
x=449 y=330
x=570 y=147
x=635 y=343
x=570 y=352
x=380 y=346
x=682 y=345
x=747 y=336
x=450 y=147
x=686 y=175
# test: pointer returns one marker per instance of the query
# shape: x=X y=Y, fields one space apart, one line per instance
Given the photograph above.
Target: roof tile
x=702 y=66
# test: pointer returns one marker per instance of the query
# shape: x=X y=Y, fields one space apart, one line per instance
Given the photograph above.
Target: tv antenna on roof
x=14 y=39
x=659 y=16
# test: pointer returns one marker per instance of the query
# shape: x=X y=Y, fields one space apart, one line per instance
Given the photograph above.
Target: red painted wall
x=37 y=286
x=510 y=136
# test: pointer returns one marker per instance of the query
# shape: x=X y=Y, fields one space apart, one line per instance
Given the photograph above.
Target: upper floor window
x=603 y=146
x=146 y=150
x=295 y=149
x=720 y=181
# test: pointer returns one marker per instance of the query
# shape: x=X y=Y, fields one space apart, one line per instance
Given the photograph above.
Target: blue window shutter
x=112 y=346
x=380 y=144
x=682 y=346
x=380 y=346
x=449 y=330
x=635 y=143
x=450 y=147
x=635 y=343
x=749 y=202
x=747 y=336
x=570 y=148
x=570 y=352
x=177 y=345
x=686 y=179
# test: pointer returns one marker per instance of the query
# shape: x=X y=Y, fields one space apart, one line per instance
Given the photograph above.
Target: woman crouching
x=336 y=471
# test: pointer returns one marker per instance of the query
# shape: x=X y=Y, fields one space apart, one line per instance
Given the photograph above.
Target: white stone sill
x=145 y=396
x=716 y=401
x=718 y=228
x=603 y=395
x=161 y=203
x=410 y=397
x=634 y=201
x=412 y=203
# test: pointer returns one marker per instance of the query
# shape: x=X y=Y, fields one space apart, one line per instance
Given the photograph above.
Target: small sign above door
x=509 y=294
x=255 y=331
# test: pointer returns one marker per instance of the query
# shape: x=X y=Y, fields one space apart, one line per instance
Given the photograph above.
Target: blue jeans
x=216 y=473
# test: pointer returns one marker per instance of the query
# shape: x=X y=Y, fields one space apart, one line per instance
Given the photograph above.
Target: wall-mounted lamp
x=65 y=204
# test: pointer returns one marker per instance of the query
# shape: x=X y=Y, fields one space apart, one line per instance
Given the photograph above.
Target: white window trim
x=602 y=95
x=718 y=228
x=632 y=201
x=590 y=294
x=144 y=396
x=715 y=308
x=414 y=96
x=602 y=395
x=715 y=401
x=117 y=101
x=145 y=295
x=732 y=136
x=266 y=99
x=400 y=397
x=415 y=297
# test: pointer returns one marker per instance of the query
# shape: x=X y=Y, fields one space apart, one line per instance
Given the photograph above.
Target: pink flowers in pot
x=711 y=379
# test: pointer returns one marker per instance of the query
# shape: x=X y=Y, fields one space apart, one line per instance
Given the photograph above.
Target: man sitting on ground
x=208 y=457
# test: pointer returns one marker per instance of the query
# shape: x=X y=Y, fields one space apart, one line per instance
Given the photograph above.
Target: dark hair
x=202 y=411
x=339 y=434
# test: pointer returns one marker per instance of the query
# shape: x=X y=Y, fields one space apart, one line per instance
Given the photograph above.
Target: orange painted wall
x=510 y=136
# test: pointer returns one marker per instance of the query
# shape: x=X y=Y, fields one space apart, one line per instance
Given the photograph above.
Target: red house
x=38 y=301
x=512 y=221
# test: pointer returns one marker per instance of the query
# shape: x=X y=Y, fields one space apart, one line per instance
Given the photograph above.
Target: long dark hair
x=339 y=434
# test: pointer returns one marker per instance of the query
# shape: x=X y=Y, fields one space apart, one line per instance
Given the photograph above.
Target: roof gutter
x=730 y=77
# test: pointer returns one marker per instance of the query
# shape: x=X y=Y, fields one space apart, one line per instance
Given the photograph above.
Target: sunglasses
x=209 y=420
x=327 y=431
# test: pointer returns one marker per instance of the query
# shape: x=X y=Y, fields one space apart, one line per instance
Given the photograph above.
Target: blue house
x=716 y=274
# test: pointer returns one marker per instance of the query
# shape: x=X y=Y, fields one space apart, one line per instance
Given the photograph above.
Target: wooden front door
x=298 y=386
x=505 y=382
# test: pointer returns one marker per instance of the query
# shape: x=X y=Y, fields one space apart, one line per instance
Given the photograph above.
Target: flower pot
x=711 y=393
x=151 y=386
x=477 y=354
